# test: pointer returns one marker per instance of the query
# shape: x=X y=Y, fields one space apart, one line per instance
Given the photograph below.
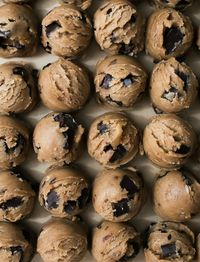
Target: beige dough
x=177 y=4
x=66 y=31
x=62 y=241
x=198 y=247
x=64 y=86
x=169 y=34
x=83 y=4
x=17 y=1
x=169 y=141
x=198 y=38
x=119 y=81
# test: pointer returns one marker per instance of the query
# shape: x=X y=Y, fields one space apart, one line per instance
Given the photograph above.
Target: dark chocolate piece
x=52 y=27
x=128 y=80
x=171 y=94
x=22 y=72
x=135 y=247
x=52 y=200
x=185 y=78
x=127 y=184
x=70 y=206
x=168 y=250
x=103 y=128
x=183 y=150
x=118 y=153
x=172 y=39
x=83 y=199
x=120 y=208
x=106 y=82
x=12 y=203
x=110 y=100
x=126 y=49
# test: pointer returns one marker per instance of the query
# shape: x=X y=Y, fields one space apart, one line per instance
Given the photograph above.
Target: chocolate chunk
x=169 y=237
x=182 y=4
x=83 y=17
x=127 y=184
x=47 y=65
x=107 y=148
x=106 y=82
x=118 y=154
x=18 y=46
x=113 y=38
x=128 y=80
x=20 y=143
x=4 y=34
x=133 y=19
x=17 y=249
x=185 y=78
x=83 y=199
x=11 y=203
x=103 y=128
x=187 y=179
x=120 y=208
x=70 y=206
x=110 y=100
x=48 y=47
x=52 y=27
x=168 y=250
x=22 y=72
x=183 y=150
x=126 y=49
x=171 y=94
x=135 y=246
x=109 y=11
x=172 y=38
x=52 y=200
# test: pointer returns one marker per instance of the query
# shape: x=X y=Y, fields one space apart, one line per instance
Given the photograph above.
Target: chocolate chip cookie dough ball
x=173 y=86
x=119 y=81
x=14 y=142
x=66 y=31
x=115 y=242
x=113 y=140
x=119 y=28
x=169 y=34
x=169 y=141
x=62 y=241
x=168 y=241
x=64 y=86
x=177 y=4
x=18 y=30
x=57 y=139
x=83 y=4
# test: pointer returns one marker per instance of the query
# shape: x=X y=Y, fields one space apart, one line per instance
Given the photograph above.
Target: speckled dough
x=66 y=31
x=64 y=86
x=168 y=241
x=119 y=81
x=169 y=141
x=65 y=135
x=119 y=28
x=169 y=34
x=176 y=196
x=112 y=242
x=62 y=241
x=14 y=142
x=173 y=86
x=118 y=195
x=177 y=4
x=198 y=38
x=83 y=4
x=18 y=30
x=113 y=140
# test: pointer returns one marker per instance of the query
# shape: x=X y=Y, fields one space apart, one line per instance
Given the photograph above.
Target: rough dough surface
x=173 y=86
x=119 y=28
x=169 y=34
x=113 y=140
x=119 y=81
x=65 y=135
x=118 y=195
x=66 y=31
x=176 y=196
x=169 y=141
x=64 y=86
x=112 y=242
x=62 y=241
x=83 y=4
x=177 y=4
x=168 y=241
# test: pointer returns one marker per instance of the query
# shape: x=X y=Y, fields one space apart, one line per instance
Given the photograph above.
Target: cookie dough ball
x=173 y=86
x=169 y=34
x=83 y=4
x=62 y=241
x=119 y=81
x=113 y=140
x=115 y=242
x=168 y=241
x=177 y=4
x=18 y=31
x=14 y=142
x=169 y=141
x=198 y=38
x=66 y=31
x=119 y=28
x=118 y=195
x=176 y=196
x=57 y=139
x=64 y=86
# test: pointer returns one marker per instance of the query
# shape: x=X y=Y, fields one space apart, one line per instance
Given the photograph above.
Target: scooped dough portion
x=64 y=86
x=118 y=195
x=62 y=241
x=176 y=196
x=115 y=242
x=169 y=241
x=83 y=4
x=119 y=81
x=113 y=140
x=173 y=86
x=119 y=28
x=169 y=34
x=169 y=141
x=66 y=31
x=177 y=4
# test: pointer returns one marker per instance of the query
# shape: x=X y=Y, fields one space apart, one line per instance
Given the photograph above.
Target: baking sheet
x=140 y=114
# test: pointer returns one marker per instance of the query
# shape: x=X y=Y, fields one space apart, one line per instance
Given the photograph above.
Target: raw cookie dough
x=57 y=139
x=66 y=31
x=119 y=28
x=17 y=88
x=64 y=86
x=177 y=4
x=16 y=198
x=113 y=140
x=118 y=195
x=176 y=196
x=169 y=34
x=62 y=241
x=115 y=242
x=17 y=1
x=119 y=81
x=64 y=192
x=168 y=241
x=173 y=86
x=14 y=142
x=169 y=141
x=18 y=31
x=83 y=4
x=198 y=38
x=14 y=245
